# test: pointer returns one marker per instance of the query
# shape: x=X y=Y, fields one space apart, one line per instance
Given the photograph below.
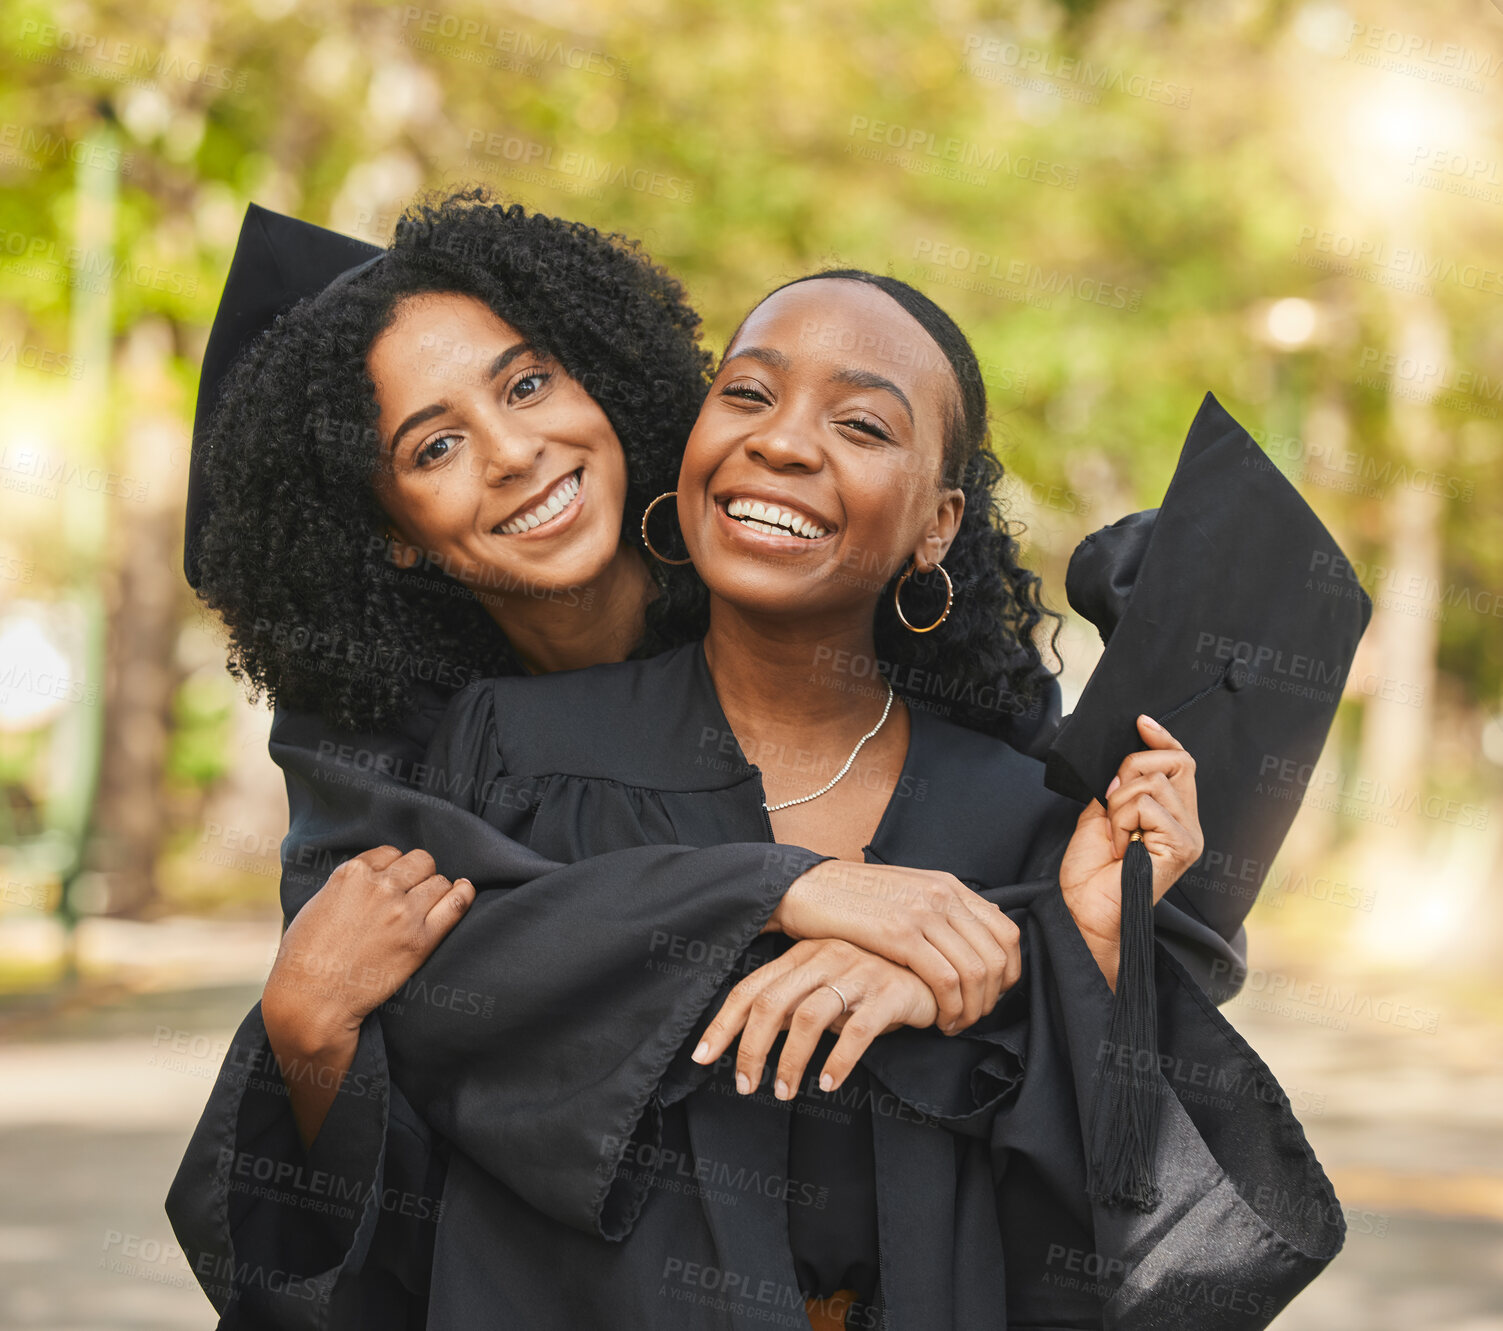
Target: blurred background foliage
x=1291 y=203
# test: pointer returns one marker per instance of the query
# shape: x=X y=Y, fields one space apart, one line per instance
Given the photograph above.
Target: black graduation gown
x=552 y=1054
x=291 y=1257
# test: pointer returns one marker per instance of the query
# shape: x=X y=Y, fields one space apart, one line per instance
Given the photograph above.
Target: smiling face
x=813 y=472
x=497 y=464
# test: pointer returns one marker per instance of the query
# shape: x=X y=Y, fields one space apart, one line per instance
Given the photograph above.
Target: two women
x=340 y=566
x=884 y=446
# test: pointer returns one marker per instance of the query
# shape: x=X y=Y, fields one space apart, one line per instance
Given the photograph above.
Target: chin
x=758 y=592
x=575 y=563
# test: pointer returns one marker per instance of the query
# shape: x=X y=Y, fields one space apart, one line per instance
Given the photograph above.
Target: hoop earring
x=897 y=598
x=667 y=494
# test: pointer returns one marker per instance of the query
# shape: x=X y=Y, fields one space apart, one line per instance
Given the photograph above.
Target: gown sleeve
x=496 y=1042
x=1247 y=1216
x=270 y=1229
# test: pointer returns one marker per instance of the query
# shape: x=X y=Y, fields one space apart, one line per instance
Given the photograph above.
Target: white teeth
x=564 y=494
x=770 y=518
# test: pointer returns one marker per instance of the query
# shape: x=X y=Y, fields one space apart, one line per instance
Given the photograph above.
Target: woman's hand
x=362 y=936
x=961 y=946
x=791 y=993
x=1154 y=791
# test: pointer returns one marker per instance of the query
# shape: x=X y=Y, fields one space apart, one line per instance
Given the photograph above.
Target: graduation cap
x=1231 y=616
x=278 y=262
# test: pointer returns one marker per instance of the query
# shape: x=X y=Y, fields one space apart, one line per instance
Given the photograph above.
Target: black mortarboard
x=278 y=262
x=1230 y=615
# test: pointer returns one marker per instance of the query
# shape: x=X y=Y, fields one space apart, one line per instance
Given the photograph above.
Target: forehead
x=440 y=322
x=436 y=339
x=837 y=323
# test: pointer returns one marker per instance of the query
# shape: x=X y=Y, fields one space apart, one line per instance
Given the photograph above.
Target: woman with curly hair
x=551 y=1040
x=352 y=573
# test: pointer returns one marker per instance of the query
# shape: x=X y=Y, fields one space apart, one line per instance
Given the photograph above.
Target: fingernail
x=826 y=1082
x=1116 y=781
x=1152 y=724
x=743 y=1083
x=702 y=1052
x=949 y=1028
x=781 y=1089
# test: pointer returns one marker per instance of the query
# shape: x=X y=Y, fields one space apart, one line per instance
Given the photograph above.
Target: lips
x=556 y=502
x=774 y=518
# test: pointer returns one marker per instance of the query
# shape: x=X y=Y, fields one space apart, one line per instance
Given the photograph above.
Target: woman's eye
x=747 y=392
x=529 y=385
x=435 y=449
x=866 y=426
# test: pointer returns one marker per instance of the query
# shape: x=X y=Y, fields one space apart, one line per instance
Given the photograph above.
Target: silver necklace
x=830 y=784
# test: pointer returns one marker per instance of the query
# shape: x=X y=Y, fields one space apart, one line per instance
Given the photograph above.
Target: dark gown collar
x=655 y=724
x=658 y=725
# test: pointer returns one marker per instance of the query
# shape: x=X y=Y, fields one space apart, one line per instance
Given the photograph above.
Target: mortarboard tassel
x=1127 y=1117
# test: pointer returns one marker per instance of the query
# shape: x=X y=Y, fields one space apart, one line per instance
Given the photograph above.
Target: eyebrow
x=438 y=408
x=767 y=355
x=866 y=379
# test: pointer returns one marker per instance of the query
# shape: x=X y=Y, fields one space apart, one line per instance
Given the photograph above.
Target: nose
x=505 y=453
x=786 y=441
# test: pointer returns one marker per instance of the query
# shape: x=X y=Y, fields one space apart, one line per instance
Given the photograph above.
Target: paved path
x=1401 y=1094
x=93 y=1120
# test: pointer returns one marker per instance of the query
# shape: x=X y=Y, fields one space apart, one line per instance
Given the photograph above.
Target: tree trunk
x=1405 y=632
x=130 y=820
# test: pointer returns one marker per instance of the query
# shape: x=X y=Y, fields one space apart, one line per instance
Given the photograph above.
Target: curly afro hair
x=293 y=559
x=982 y=669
